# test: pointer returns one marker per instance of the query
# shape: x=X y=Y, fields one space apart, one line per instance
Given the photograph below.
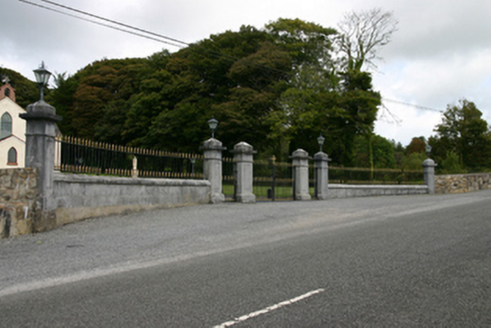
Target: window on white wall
x=12 y=157
x=5 y=126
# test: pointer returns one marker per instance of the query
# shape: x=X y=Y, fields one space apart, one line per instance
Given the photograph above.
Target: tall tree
x=308 y=43
x=359 y=103
x=83 y=98
x=232 y=76
x=362 y=34
x=319 y=98
x=266 y=87
x=464 y=131
x=62 y=98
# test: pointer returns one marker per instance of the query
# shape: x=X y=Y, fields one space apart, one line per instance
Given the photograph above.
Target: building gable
x=7 y=91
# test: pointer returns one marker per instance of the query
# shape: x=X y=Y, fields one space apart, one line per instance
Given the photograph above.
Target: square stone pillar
x=429 y=174
x=321 y=166
x=213 y=149
x=300 y=175
x=41 y=121
x=243 y=158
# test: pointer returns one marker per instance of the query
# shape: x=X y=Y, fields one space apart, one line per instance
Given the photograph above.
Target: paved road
x=384 y=261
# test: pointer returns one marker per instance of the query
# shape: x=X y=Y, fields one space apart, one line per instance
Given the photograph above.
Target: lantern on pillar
x=428 y=149
x=42 y=77
x=320 y=141
x=212 y=123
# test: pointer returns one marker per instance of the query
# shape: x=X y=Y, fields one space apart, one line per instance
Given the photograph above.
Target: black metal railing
x=229 y=175
x=77 y=155
x=272 y=180
x=353 y=175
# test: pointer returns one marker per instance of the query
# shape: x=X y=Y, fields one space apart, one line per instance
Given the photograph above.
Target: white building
x=12 y=129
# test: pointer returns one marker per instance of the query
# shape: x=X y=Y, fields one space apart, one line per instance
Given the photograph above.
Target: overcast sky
x=441 y=52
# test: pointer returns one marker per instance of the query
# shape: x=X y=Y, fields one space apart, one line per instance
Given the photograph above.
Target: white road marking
x=268 y=309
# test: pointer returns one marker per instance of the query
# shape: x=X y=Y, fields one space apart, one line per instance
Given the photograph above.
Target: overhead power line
x=153 y=36
x=413 y=105
x=115 y=22
x=99 y=23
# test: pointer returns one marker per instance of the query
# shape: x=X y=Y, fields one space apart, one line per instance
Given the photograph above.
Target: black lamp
x=42 y=77
x=320 y=141
x=428 y=149
x=212 y=123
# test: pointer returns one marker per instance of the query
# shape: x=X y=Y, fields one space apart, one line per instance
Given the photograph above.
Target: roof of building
x=6 y=90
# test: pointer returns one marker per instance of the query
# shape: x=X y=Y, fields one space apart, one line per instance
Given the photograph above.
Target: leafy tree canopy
x=277 y=88
x=26 y=91
x=417 y=145
x=464 y=132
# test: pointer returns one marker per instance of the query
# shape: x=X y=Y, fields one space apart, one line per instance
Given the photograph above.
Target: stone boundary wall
x=76 y=197
x=19 y=201
x=462 y=183
x=347 y=191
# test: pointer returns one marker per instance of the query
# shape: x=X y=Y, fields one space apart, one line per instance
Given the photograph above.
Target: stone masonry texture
x=19 y=201
x=462 y=183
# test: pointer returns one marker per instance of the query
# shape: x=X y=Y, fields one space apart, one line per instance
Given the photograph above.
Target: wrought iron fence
x=376 y=176
x=272 y=180
x=229 y=178
x=312 y=177
x=77 y=155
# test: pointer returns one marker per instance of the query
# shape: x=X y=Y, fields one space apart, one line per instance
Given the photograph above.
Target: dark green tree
x=414 y=161
x=360 y=104
x=26 y=91
x=235 y=77
x=62 y=100
x=277 y=88
x=451 y=164
x=88 y=99
x=154 y=94
x=374 y=152
x=319 y=97
x=464 y=131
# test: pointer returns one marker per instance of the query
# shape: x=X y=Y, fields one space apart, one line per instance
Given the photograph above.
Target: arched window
x=5 y=126
x=7 y=92
x=12 y=157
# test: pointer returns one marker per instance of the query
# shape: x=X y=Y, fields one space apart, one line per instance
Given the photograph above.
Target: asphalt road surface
x=381 y=261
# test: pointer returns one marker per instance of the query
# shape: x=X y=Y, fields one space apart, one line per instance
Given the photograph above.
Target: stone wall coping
x=321 y=156
x=300 y=154
x=243 y=148
x=213 y=144
x=41 y=108
x=41 y=111
x=351 y=186
x=429 y=163
x=77 y=178
x=463 y=175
